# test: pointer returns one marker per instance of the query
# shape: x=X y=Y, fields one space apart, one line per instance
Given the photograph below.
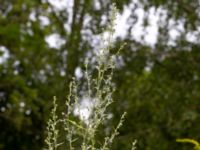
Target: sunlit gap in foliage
x=4 y=54
x=143 y=34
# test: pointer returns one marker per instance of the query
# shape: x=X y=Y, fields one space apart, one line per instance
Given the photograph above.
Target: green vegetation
x=157 y=83
x=83 y=133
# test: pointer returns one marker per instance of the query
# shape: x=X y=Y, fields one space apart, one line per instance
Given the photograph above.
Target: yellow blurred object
x=194 y=142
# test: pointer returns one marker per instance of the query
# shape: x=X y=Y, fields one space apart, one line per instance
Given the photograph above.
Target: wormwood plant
x=99 y=92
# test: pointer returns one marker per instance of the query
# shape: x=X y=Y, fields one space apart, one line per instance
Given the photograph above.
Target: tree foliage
x=158 y=85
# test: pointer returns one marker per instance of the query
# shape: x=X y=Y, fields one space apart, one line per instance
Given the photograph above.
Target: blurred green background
x=43 y=44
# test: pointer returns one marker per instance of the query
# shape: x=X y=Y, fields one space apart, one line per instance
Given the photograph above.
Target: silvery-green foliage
x=99 y=91
x=52 y=131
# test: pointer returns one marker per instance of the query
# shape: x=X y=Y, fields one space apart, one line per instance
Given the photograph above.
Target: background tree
x=157 y=84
